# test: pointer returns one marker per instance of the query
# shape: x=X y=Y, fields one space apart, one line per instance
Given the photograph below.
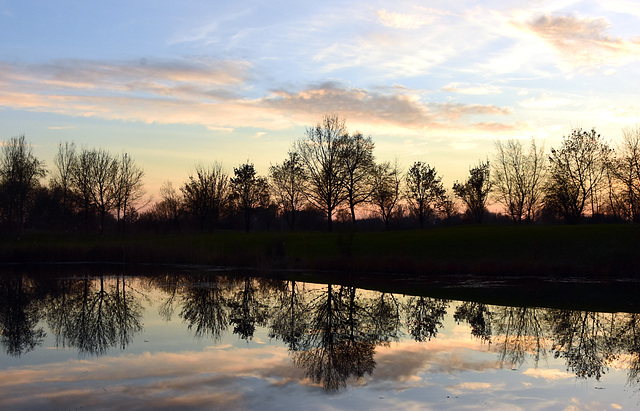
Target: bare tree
x=518 y=178
x=475 y=191
x=322 y=153
x=206 y=193
x=128 y=187
x=288 y=184
x=104 y=170
x=169 y=205
x=386 y=189
x=577 y=173
x=64 y=163
x=82 y=182
x=358 y=162
x=626 y=172
x=248 y=191
x=425 y=191
x=20 y=172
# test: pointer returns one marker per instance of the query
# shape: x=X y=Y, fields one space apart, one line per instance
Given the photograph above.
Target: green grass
x=601 y=250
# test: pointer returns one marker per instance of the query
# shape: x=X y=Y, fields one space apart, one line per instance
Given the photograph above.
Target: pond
x=196 y=339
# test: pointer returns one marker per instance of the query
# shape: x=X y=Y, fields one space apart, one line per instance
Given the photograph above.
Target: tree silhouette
x=425 y=191
x=386 y=190
x=20 y=172
x=475 y=191
x=248 y=191
x=322 y=152
x=206 y=194
x=358 y=161
x=518 y=178
x=578 y=170
x=289 y=184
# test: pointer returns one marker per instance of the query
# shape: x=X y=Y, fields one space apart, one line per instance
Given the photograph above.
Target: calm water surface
x=205 y=341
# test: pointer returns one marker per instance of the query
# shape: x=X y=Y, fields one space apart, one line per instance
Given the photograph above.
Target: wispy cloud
x=550 y=374
x=546 y=101
x=583 y=42
x=215 y=95
x=418 y=18
x=462 y=88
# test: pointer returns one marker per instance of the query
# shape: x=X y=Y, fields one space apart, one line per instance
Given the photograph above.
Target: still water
x=197 y=340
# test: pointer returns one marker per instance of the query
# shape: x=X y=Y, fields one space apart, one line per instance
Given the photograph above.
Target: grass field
x=585 y=250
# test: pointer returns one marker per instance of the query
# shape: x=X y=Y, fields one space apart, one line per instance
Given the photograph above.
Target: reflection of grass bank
x=609 y=250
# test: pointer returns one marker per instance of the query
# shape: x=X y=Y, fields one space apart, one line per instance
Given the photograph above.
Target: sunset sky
x=177 y=84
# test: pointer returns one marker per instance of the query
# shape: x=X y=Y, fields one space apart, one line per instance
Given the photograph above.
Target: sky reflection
x=167 y=367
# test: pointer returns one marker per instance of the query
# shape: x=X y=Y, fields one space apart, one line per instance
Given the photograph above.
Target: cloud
x=584 y=43
x=546 y=101
x=461 y=88
x=406 y=21
x=397 y=109
x=61 y=127
x=549 y=374
x=215 y=95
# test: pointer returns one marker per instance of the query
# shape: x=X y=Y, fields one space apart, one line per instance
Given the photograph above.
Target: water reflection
x=21 y=307
x=332 y=331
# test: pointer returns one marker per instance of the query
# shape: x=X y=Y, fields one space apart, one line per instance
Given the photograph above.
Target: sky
x=181 y=84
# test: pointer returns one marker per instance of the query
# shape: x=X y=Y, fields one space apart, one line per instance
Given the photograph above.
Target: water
x=197 y=340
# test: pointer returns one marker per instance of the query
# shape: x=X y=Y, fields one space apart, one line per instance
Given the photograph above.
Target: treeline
x=330 y=176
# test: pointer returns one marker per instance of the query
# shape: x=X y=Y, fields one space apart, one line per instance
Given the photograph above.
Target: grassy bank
x=588 y=250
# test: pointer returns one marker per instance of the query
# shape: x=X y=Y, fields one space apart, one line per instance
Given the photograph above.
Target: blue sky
x=177 y=84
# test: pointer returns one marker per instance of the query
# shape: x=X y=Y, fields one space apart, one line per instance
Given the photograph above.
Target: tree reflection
x=205 y=306
x=247 y=310
x=385 y=314
x=94 y=315
x=289 y=318
x=340 y=342
x=332 y=331
x=425 y=316
x=478 y=316
x=628 y=337
x=584 y=339
x=19 y=315
x=519 y=331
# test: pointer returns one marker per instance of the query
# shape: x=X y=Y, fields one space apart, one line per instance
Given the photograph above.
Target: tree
x=322 y=153
x=206 y=193
x=104 y=171
x=168 y=208
x=518 y=177
x=288 y=184
x=577 y=173
x=128 y=187
x=358 y=162
x=425 y=191
x=386 y=189
x=626 y=172
x=475 y=191
x=248 y=191
x=64 y=163
x=20 y=172
x=82 y=183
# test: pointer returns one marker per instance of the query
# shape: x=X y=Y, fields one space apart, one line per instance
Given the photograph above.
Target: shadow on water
x=331 y=330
